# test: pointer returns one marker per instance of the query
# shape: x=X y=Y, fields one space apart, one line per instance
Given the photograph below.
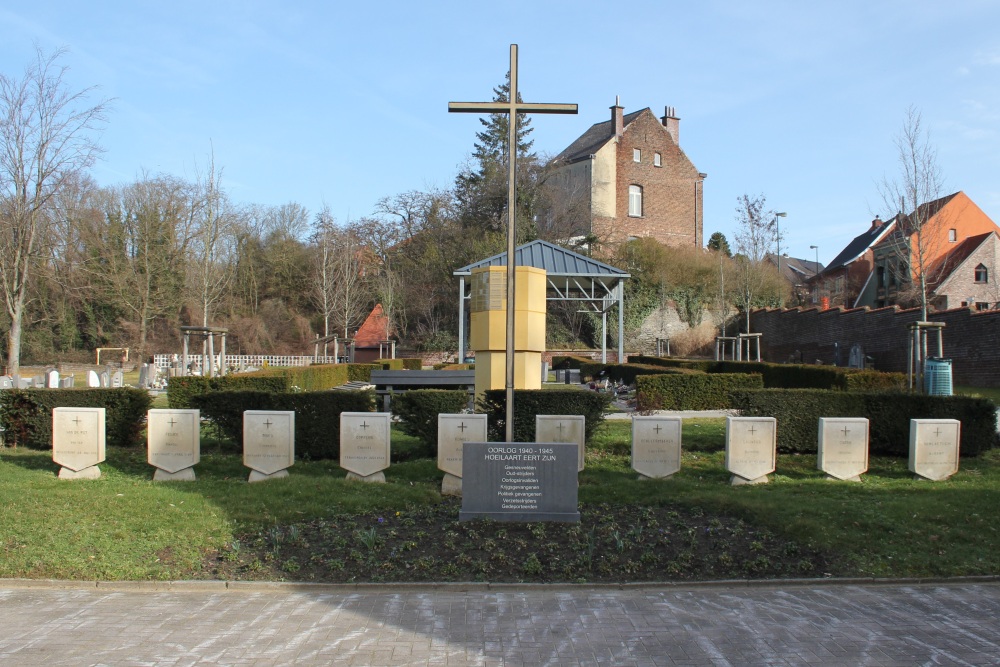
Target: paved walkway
x=209 y=624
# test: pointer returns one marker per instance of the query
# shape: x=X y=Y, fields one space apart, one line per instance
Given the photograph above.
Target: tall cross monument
x=511 y=107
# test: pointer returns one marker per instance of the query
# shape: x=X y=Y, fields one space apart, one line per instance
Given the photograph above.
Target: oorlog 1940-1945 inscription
x=517 y=481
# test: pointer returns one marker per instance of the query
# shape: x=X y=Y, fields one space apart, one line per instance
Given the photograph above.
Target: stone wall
x=971 y=339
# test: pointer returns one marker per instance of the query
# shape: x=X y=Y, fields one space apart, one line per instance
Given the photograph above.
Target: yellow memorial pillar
x=488 y=326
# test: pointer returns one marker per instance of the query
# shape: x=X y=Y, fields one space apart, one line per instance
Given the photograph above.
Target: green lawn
x=124 y=526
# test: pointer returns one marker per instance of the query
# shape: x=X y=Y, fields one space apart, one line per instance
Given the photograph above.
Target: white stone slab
x=52 y=379
x=453 y=432
x=934 y=446
x=751 y=448
x=6 y=382
x=105 y=379
x=562 y=429
x=843 y=447
x=656 y=446
x=173 y=440
x=78 y=440
x=117 y=379
x=93 y=380
x=268 y=440
x=364 y=444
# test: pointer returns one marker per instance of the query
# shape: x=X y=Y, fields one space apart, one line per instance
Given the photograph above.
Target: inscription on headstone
x=268 y=443
x=843 y=448
x=656 y=446
x=517 y=481
x=934 y=447
x=751 y=449
x=117 y=379
x=562 y=428
x=173 y=441
x=453 y=432
x=78 y=441
x=364 y=445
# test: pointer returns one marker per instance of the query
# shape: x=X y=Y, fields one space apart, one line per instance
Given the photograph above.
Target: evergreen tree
x=718 y=242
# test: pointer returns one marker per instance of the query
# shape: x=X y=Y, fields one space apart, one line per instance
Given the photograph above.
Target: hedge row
x=26 y=414
x=791 y=376
x=564 y=361
x=798 y=411
x=317 y=415
x=418 y=411
x=628 y=372
x=691 y=392
x=531 y=402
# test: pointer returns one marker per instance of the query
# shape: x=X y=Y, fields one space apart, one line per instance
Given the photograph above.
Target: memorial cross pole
x=511 y=107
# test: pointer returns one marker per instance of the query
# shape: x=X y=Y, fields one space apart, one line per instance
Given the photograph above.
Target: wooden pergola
x=207 y=355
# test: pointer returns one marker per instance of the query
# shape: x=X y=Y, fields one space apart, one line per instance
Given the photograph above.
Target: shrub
x=691 y=391
x=667 y=362
x=798 y=412
x=418 y=410
x=628 y=372
x=591 y=370
x=874 y=381
x=563 y=361
x=361 y=372
x=317 y=415
x=26 y=414
x=531 y=402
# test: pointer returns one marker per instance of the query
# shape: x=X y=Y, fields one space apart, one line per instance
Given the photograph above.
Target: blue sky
x=344 y=103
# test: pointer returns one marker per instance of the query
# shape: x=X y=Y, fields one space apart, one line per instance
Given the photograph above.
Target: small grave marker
x=453 y=432
x=93 y=380
x=52 y=379
x=268 y=443
x=516 y=481
x=173 y=441
x=656 y=446
x=751 y=449
x=934 y=447
x=364 y=445
x=843 y=448
x=562 y=428
x=78 y=441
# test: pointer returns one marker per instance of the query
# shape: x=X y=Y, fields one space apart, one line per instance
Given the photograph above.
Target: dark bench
x=387 y=382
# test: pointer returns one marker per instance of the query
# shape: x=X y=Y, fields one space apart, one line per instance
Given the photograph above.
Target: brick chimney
x=617 y=118
x=672 y=123
x=876 y=222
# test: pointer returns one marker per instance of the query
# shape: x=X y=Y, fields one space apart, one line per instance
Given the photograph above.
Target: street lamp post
x=777 y=236
x=816 y=275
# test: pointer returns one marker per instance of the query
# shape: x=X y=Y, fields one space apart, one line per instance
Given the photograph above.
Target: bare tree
x=44 y=141
x=917 y=188
x=212 y=244
x=755 y=281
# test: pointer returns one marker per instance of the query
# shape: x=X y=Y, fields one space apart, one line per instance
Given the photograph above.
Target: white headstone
x=78 y=441
x=117 y=379
x=52 y=379
x=66 y=382
x=144 y=380
x=843 y=447
x=105 y=379
x=453 y=432
x=364 y=445
x=92 y=379
x=268 y=443
x=656 y=446
x=6 y=382
x=751 y=449
x=934 y=447
x=173 y=439
x=562 y=428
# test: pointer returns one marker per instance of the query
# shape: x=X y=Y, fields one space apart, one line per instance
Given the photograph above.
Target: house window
x=634 y=201
x=656 y=160
x=636 y=155
x=952 y=235
x=982 y=274
x=982 y=305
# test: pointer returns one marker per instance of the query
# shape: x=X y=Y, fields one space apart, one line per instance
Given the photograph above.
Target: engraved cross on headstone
x=511 y=107
x=172 y=422
x=267 y=423
x=846 y=431
x=752 y=429
x=462 y=427
x=658 y=429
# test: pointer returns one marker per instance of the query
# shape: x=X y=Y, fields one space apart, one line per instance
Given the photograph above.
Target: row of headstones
x=52 y=380
x=173 y=444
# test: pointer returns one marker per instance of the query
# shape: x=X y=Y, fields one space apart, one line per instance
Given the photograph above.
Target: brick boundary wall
x=971 y=339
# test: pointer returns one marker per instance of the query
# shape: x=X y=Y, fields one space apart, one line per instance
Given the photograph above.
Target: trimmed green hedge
x=669 y=362
x=531 y=402
x=627 y=373
x=418 y=411
x=26 y=414
x=798 y=412
x=317 y=415
x=691 y=392
x=563 y=361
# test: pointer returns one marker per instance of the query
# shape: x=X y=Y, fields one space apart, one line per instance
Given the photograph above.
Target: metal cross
x=268 y=423
x=511 y=107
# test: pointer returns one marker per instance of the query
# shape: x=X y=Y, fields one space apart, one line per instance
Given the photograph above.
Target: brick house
x=842 y=280
x=954 y=229
x=633 y=180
